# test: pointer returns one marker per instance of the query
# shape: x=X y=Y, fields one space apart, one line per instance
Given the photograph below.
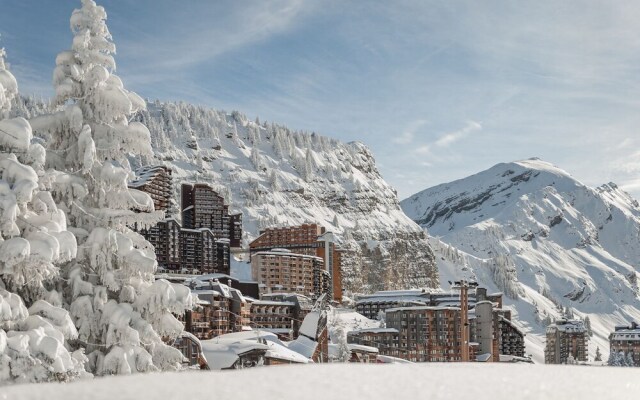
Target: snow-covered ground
x=348 y=381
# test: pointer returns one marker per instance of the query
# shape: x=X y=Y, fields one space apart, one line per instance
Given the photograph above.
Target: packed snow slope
x=549 y=242
x=433 y=381
x=278 y=177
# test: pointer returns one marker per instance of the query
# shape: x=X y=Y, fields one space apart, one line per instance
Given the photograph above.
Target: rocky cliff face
x=552 y=244
x=279 y=177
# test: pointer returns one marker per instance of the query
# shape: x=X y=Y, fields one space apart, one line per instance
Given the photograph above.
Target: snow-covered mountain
x=547 y=241
x=279 y=177
x=276 y=176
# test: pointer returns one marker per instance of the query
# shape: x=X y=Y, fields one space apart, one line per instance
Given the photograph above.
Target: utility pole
x=464 y=286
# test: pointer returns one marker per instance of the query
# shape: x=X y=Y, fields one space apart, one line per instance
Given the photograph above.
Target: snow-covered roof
x=510 y=323
x=391 y=360
x=569 y=326
x=277 y=330
x=363 y=348
x=281 y=352
x=309 y=327
x=395 y=293
x=631 y=335
x=432 y=308
x=273 y=303
x=287 y=253
x=189 y=335
x=514 y=359
x=222 y=353
x=374 y=330
x=251 y=335
x=303 y=345
x=394 y=300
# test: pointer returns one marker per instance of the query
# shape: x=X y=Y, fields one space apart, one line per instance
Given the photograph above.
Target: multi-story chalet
x=307 y=239
x=155 y=180
x=195 y=251
x=203 y=207
x=566 y=338
x=219 y=310
x=626 y=339
x=281 y=314
x=281 y=271
x=386 y=340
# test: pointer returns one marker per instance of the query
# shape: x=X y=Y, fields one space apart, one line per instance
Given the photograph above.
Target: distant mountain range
x=552 y=244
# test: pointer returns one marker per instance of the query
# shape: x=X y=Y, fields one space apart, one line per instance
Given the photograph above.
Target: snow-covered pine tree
x=629 y=360
x=587 y=325
x=33 y=239
x=613 y=359
x=598 y=354
x=121 y=313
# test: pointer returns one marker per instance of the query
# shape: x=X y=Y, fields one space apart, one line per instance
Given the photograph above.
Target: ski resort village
x=141 y=236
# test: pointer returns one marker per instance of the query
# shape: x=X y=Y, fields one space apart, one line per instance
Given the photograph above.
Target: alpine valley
x=554 y=246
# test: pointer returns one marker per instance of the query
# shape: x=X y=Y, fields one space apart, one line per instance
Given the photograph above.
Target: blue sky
x=437 y=89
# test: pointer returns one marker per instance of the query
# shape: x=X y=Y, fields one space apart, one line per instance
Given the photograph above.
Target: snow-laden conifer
x=33 y=241
x=124 y=318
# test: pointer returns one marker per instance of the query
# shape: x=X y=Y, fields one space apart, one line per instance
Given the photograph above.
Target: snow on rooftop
x=361 y=347
x=281 y=352
x=375 y=330
x=433 y=308
x=303 y=345
x=251 y=335
x=273 y=303
x=309 y=327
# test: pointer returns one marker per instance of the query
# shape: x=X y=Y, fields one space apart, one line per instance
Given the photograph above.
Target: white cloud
x=452 y=137
x=409 y=133
x=422 y=150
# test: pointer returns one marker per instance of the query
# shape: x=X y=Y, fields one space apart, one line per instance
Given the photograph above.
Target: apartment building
x=280 y=313
x=386 y=340
x=429 y=334
x=566 y=338
x=195 y=251
x=371 y=305
x=626 y=340
x=155 y=180
x=219 y=310
x=281 y=271
x=414 y=314
x=307 y=239
x=203 y=207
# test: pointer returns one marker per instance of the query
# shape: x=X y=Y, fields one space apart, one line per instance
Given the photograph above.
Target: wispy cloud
x=408 y=135
x=448 y=139
x=204 y=36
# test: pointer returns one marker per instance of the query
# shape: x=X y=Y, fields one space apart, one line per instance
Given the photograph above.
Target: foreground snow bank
x=344 y=381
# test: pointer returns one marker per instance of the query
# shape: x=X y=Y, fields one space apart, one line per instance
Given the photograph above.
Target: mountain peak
x=499 y=186
x=549 y=242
